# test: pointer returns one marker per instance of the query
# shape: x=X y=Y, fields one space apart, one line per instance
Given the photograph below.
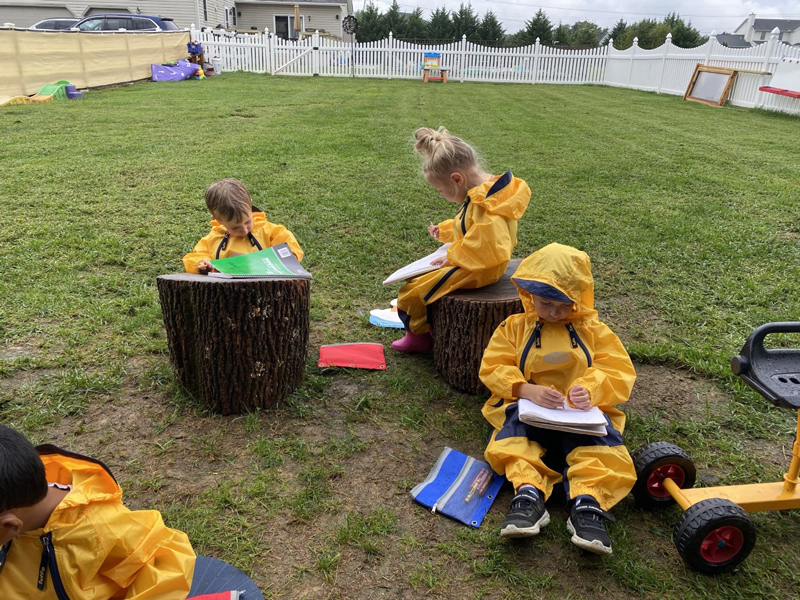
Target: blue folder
x=460 y=487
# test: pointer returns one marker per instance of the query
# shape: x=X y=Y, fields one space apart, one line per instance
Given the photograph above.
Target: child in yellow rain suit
x=238 y=228
x=558 y=352
x=482 y=235
x=65 y=534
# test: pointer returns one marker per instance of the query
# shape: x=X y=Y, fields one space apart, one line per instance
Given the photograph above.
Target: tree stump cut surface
x=236 y=344
x=463 y=323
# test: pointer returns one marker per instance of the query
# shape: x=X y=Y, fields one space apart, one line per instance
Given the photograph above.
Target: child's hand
x=579 y=397
x=542 y=395
x=440 y=262
x=434 y=231
x=204 y=267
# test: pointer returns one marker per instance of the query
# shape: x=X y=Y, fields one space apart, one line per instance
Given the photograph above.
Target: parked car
x=127 y=21
x=55 y=24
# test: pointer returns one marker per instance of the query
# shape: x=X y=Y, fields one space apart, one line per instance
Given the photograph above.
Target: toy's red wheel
x=654 y=463
x=722 y=544
x=656 y=479
x=714 y=536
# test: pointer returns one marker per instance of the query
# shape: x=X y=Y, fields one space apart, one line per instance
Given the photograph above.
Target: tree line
x=452 y=25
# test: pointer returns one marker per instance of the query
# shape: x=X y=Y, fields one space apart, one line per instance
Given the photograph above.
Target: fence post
x=536 y=48
x=462 y=58
x=633 y=54
x=315 y=53
x=667 y=44
x=270 y=51
x=389 y=57
x=708 y=52
x=772 y=45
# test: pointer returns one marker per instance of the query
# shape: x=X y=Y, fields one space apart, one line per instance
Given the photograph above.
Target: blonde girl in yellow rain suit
x=558 y=351
x=482 y=235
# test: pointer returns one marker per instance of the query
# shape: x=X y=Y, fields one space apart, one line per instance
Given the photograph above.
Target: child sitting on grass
x=238 y=228
x=558 y=352
x=65 y=534
x=482 y=234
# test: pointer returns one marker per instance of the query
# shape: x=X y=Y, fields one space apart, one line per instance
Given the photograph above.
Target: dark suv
x=126 y=21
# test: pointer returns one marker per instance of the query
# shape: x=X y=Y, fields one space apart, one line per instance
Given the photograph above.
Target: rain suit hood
x=563 y=269
x=92 y=546
x=506 y=196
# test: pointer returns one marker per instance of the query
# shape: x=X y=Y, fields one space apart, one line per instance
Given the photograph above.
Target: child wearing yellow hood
x=482 y=234
x=558 y=352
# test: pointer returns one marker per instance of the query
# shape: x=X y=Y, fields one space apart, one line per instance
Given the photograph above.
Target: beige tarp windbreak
x=31 y=59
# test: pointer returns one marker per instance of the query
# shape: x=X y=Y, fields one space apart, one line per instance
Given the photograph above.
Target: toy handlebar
x=775 y=374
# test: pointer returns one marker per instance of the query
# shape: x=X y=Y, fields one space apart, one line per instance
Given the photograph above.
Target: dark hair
x=22 y=479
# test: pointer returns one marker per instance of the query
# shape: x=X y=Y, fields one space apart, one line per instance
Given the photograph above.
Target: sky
x=722 y=16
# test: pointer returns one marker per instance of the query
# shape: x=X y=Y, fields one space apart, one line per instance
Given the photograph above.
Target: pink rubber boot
x=413 y=342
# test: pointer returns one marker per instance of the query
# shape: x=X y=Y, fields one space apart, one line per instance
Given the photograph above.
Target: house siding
x=25 y=16
x=183 y=12
x=317 y=17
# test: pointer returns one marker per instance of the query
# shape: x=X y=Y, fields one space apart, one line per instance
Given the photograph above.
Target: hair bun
x=428 y=139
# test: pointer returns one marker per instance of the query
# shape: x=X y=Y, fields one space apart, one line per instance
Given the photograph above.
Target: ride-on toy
x=715 y=532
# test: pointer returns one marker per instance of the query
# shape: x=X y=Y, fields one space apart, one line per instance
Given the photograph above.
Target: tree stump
x=463 y=323
x=236 y=344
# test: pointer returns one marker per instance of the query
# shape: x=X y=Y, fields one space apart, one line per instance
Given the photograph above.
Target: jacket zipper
x=576 y=341
x=536 y=337
x=464 y=215
x=49 y=560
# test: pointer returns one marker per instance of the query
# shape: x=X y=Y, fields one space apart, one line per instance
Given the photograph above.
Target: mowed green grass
x=690 y=215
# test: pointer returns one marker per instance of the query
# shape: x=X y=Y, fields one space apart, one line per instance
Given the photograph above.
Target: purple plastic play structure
x=183 y=70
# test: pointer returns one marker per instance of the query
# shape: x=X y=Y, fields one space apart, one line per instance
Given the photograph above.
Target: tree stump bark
x=463 y=323
x=236 y=344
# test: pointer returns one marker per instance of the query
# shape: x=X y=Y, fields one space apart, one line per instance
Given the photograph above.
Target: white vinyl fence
x=667 y=69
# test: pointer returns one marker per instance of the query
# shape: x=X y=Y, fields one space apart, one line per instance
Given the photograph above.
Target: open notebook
x=418 y=267
x=574 y=420
x=277 y=261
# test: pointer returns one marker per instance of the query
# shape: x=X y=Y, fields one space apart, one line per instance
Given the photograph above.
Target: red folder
x=359 y=356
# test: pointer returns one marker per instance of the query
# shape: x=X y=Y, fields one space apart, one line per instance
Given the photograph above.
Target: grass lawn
x=690 y=215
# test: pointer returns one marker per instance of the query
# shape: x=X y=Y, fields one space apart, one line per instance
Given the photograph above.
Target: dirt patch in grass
x=345 y=461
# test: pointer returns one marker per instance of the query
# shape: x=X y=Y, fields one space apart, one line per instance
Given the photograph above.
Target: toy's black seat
x=775 y=374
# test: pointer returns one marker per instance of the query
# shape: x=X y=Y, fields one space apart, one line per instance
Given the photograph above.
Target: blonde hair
x=229 y=199
x=444 y=153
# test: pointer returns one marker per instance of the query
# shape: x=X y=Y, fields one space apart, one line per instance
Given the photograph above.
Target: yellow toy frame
x=715 y=533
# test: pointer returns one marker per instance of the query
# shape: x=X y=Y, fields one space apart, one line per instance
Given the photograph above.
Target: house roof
x=732 y=40
x=782 y=24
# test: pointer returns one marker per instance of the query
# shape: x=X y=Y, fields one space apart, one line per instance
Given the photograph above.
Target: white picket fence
x=666 y=69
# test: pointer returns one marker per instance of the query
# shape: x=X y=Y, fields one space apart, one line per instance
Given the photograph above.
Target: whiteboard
x=787 y=75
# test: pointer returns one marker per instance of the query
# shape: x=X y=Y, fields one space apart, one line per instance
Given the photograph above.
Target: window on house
x=205 y=10
x=763 y=35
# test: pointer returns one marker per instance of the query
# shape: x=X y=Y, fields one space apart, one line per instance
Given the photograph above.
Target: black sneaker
x=526 y=517
x=587 y=525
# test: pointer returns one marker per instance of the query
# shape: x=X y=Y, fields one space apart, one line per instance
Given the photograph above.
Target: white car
x=55 y=24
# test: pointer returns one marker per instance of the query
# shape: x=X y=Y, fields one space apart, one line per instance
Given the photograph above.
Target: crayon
x=476 y=484
x=485 y=484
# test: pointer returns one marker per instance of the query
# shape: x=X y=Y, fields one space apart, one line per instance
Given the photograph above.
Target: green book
x=277 y=261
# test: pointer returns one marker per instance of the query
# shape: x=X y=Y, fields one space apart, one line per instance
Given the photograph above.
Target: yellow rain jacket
x=482 y=236
x=216 y=245
x=93 y=547
x=581 y=351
